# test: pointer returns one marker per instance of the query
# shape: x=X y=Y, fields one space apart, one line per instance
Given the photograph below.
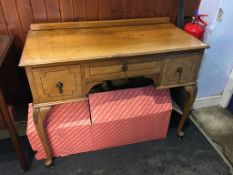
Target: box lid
x=128 y=103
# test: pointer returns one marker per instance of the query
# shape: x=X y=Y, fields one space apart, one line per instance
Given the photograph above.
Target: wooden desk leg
x=39 y=115
x=191 y=92
x=13 y=133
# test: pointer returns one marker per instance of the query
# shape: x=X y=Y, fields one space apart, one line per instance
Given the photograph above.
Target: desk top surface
x=46 y=46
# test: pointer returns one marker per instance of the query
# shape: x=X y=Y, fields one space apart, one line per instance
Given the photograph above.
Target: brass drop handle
x=125 y=67
x=60 y=87
x=179 y=70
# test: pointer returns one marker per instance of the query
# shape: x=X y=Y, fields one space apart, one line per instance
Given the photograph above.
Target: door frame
x=227 y=92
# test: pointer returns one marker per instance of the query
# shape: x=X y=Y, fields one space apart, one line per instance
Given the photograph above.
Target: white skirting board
x=222 y=99
x=228 y=91
x=207 y=101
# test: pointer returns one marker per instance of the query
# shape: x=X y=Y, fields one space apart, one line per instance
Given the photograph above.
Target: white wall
x=210 y=7
x=218 y=61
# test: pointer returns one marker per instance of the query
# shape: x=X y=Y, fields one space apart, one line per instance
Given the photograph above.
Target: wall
x=218 y=61
x=210 y=7
x=17 y=15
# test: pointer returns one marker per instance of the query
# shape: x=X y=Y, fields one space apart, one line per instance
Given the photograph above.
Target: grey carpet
x=191 y=156
x=217 y=123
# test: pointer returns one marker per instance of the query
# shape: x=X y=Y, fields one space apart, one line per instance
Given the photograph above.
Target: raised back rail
x=96 y=24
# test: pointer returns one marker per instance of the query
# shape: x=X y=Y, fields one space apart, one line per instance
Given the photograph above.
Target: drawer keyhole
x=125 y=67
x=60 y=87
x=179 y=71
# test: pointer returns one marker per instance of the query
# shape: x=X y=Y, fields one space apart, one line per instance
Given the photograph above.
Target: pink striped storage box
x=129 y=116
x=68 y=128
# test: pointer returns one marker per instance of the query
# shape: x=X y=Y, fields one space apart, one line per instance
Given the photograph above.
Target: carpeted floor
x=217 y=123
x=191 y=156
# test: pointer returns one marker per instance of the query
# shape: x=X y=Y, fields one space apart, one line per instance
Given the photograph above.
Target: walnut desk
x=63 y=61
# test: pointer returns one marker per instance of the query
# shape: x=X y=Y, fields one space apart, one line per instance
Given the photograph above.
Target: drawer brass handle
x=125 y=67
x=60 y=87
x=179 y=70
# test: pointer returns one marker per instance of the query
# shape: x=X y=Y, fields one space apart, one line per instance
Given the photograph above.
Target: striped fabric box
x=129 y=116
x=68 y=128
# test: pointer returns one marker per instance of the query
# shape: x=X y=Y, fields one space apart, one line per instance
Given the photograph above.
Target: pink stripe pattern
x=68 y=129
x=115 y=118
x=129 y=116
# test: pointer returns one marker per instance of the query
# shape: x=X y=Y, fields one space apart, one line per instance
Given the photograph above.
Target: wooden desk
x=64 y=61
x=7 y=77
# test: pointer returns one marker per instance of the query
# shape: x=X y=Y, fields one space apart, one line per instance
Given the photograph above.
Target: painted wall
x=218 y=59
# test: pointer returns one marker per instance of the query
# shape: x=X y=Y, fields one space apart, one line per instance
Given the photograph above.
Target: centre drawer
x=109 y=70
x=58 y=82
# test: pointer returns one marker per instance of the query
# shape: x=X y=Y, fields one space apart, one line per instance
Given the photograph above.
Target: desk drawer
x=181 y=68
x=58 y=82
x=109 y=70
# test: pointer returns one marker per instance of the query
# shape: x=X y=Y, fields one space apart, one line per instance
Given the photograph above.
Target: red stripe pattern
x=118 y=118
x=129 y=116
x=68 y=128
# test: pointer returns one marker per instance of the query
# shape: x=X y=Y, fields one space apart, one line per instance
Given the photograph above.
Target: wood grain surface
x=66 y=45
x=17 y=15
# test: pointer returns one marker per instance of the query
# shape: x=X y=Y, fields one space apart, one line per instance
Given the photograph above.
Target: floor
x=191 y=156
x=20 y=118
x=217 y=124
x=21 y=128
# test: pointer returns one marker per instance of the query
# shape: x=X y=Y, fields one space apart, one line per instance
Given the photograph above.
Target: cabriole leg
x=39 y=115
x=191 y=92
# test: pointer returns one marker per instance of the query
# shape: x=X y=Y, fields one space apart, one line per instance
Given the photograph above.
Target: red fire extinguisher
x=196 y=27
